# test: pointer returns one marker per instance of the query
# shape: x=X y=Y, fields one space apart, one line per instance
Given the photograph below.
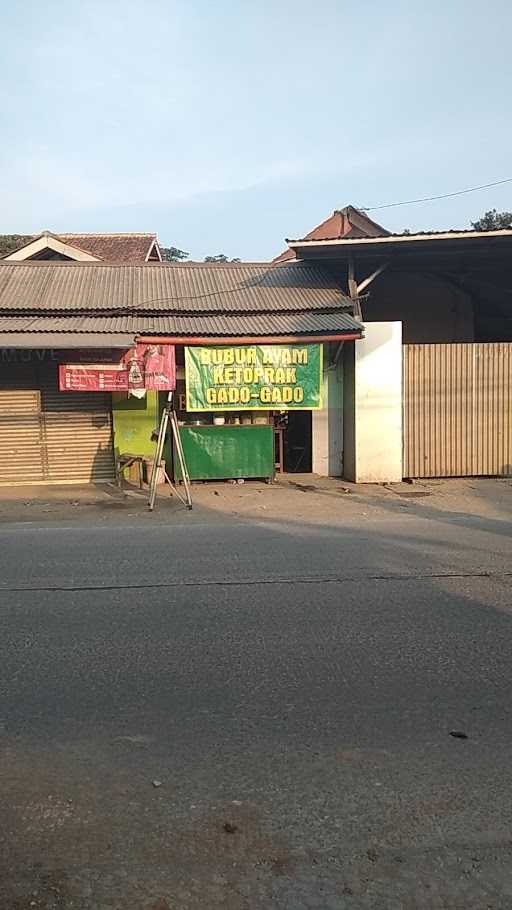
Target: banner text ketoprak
x=256 y=377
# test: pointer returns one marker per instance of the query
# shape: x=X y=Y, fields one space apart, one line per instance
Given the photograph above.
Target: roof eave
x=398 y=238
x=65 y=340
x=191 y=340
x=154 y=246
x=50 y=242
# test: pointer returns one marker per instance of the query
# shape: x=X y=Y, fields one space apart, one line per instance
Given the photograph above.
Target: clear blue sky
x=227 y=126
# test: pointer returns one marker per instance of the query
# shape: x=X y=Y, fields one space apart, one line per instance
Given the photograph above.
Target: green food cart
x=227 y=452
x=242 y=385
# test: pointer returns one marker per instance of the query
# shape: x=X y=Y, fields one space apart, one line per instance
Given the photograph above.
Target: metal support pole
x=162 y=432
x=169 y=414
x=181 y=458
x=352 y=288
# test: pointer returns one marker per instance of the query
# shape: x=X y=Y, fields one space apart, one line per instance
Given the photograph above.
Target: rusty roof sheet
x=217 y=325
x=58 y=287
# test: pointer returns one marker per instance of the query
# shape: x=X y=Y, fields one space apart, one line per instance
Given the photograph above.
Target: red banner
x=74 y=377
x=145 y=366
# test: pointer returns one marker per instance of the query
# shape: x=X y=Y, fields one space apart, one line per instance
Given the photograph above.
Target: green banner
x=256 y=377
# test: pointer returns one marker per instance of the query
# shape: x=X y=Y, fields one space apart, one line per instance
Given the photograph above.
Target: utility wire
x=220 y=292
x=132 y=308
x=472 y=189
x=273 y=265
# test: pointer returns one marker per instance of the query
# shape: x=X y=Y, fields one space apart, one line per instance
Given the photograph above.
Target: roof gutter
x=249 y=339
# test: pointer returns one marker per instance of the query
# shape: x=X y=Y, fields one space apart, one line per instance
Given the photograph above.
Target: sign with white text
x=145 y=366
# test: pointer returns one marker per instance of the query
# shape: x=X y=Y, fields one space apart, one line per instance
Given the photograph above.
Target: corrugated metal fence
x=457 y=401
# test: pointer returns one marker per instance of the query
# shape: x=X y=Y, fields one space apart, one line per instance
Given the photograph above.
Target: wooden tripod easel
x=169 y=417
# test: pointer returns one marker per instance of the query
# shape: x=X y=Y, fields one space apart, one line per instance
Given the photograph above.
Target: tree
x=173 y=254
x=220 y=257
x=493 y=221
x=10 y=242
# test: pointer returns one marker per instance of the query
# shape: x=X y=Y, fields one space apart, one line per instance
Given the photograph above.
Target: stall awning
x=65 y=331
x=68 y=340
x=102 y=304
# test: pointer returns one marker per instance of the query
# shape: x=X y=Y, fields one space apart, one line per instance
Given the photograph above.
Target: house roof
x=89 y=287
x=114 y=247
x=389 y=238
x=423 y=246
x=348 y=222
x=185 y=300
x=128 y=247
x=218 y=325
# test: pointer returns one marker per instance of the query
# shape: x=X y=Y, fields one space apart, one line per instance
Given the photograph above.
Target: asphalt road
x=290 y=688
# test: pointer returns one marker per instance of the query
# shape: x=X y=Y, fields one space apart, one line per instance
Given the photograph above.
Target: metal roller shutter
x=21 y=450
x=78 y=431
x=47 y=436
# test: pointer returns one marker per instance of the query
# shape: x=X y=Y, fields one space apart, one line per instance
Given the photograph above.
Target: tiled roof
x=343 y=223
x=113 y=247
x=105 y=247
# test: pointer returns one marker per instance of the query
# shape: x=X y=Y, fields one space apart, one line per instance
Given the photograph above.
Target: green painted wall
x=135 y=420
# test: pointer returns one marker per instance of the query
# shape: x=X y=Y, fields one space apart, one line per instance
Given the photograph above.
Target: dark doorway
x=298 y=443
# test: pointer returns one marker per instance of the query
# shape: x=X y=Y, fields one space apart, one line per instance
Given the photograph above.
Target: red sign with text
x=146 y=366
x=73 y=377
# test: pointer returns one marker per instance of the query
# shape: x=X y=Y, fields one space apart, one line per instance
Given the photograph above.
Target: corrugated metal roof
x=64 y=340
x=411 y=235
x=170 y=287
x=218 y=325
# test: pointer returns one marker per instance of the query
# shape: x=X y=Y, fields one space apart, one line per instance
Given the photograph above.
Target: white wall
x=327 y=423
x=373 y=405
